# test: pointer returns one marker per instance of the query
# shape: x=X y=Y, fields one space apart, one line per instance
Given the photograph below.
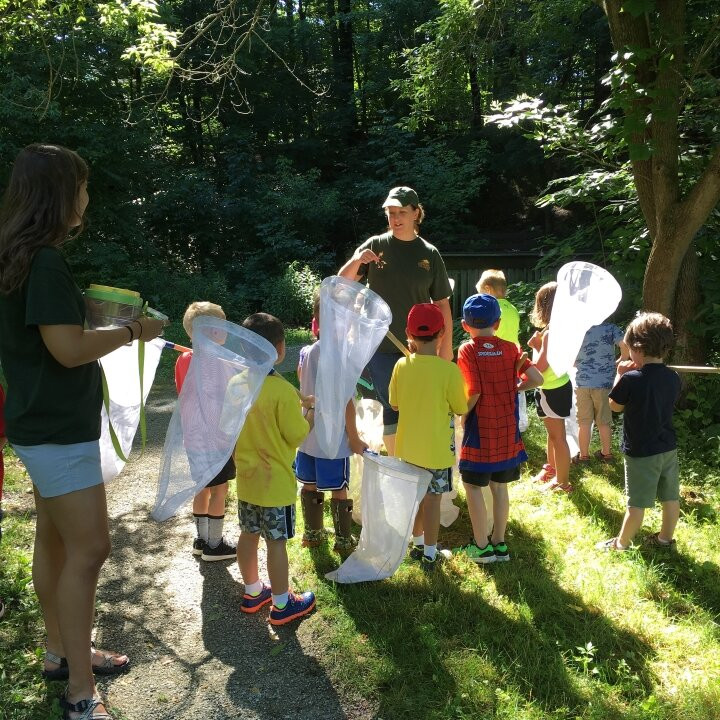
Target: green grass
x=560 y=632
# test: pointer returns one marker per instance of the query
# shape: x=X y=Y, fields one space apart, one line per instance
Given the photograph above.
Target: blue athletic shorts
x=325 y=474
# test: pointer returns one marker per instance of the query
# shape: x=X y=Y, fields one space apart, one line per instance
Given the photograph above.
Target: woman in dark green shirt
x=52 y=409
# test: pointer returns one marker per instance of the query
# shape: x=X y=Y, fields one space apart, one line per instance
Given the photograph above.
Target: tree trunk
x=689 y=347
x=476 y=119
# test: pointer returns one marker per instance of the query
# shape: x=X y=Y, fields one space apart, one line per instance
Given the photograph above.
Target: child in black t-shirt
x=646 y=390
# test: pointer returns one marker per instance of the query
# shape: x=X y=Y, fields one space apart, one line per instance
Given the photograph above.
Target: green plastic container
x=107 y=307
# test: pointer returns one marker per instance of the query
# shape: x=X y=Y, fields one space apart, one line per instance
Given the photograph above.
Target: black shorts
x=555 y=403
x=225 y=475
x=482 y=479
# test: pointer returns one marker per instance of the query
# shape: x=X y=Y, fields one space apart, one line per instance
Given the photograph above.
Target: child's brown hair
x=652 y=334
x=540 y=315
x=267 y=326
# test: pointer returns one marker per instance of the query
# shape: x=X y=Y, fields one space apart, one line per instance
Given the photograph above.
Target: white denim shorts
x=61 y=469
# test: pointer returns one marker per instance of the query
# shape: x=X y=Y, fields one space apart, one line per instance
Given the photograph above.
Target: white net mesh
x=586 y=295
x=391 y=492
x=353 y=322
x=122 y=374
x=228 y=368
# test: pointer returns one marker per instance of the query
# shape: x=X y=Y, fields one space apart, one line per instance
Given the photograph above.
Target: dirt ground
x=194 y=654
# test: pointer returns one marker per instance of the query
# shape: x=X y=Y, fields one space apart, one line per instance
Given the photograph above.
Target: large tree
x=655 y=80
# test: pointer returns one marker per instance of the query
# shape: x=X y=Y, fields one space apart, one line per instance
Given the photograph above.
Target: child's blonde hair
x=493 y=279
x=540 y=315
x=197 y=309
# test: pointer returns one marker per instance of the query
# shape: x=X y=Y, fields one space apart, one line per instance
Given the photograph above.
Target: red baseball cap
x=425 y=320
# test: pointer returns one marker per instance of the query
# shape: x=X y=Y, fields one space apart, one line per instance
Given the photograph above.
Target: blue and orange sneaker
x=252 y=603
x=297 y=606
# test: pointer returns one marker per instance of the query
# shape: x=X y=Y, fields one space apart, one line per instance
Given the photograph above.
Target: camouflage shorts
x=441 y=481
x=272 y=523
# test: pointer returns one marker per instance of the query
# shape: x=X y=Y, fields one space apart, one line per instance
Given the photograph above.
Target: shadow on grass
x=698 y=583
x=434 y=631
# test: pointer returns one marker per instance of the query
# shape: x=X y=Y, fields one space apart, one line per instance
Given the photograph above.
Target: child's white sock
x=430 y=551
x=215 y=529
x=201 y=526
x=280 y=601
x=419 y=540
x=254 y=589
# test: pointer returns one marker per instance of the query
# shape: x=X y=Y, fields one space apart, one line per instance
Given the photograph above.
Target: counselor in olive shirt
x=409 y=272
x=40 y=390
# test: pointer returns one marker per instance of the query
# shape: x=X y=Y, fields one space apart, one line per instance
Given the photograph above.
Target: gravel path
x=194 y=654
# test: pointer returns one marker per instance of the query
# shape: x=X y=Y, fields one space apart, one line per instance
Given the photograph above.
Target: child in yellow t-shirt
x=427 y=390
x=266 y=487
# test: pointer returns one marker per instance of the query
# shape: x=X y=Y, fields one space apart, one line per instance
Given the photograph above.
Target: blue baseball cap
x=481 y=311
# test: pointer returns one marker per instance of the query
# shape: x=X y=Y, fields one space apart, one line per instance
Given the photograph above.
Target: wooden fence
x=465 y=269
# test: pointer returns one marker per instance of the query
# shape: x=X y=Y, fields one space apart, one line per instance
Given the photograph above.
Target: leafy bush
x=697 y=419
x=290 y=297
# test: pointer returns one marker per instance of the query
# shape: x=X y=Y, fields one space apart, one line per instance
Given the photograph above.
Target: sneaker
x=297 y=606
x=222 y=552
x=417 y=552
x=252 y=603
x=429 y=565
x=481 y=556
x=610 y=545
x=198 y=546
x=502 y=554
x=654 y=541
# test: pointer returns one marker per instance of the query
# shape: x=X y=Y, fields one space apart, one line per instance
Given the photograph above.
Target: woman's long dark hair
x=38 y=209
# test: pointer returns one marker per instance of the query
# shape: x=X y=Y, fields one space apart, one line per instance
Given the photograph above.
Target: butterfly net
x=391 y=492
x=353 y=322
x=227 y=370
x=122 y=369
x=586 y=295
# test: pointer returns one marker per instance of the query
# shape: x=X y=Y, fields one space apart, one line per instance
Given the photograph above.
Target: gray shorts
x=441 y=481
x=648 y=478
x=272 y=523
x=61 y=469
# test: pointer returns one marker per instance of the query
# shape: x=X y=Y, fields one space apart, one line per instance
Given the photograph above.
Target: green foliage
x=290 y=297
x=697 y=420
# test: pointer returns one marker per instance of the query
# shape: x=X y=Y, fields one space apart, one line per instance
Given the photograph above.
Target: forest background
x=240 y=149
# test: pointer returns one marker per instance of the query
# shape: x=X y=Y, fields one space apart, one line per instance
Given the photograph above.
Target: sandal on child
x=610 y=545
x=580 y=459
x=555 y=486
x=546 y=474
x=87 y=708
x=604 y=458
